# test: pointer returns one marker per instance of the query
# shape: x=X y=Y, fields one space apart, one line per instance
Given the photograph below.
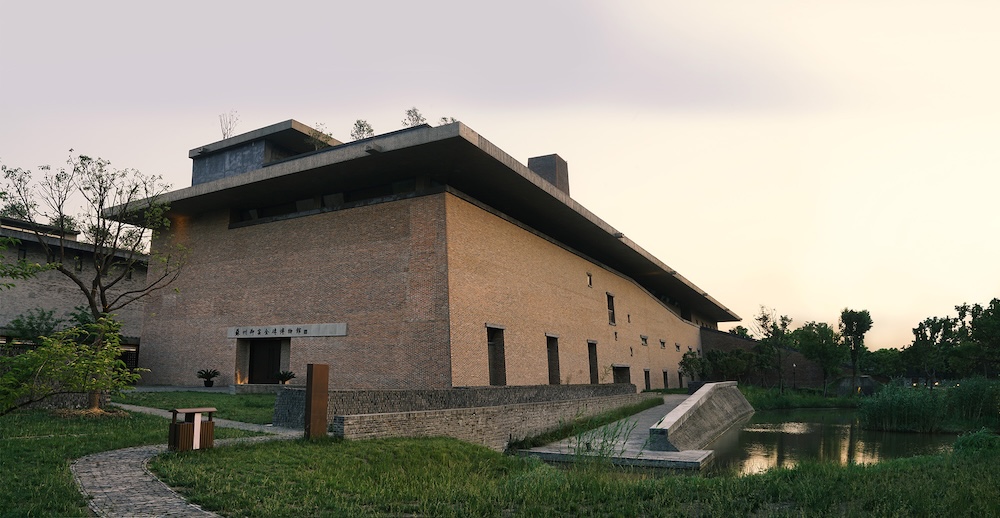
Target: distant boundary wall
x=491 y=416
x=701 y=418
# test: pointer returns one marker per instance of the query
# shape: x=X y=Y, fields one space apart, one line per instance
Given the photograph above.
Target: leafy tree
x=77 y=360
x=741 y=332
x=853 y=326
x=34 y=324
x=981 y=326
x=818 y=342
x=730 y=365
x=693 y=365
x=775 y=339
x=446 y=120
x=413 y=118
x=883 y=363
x=362 y=130
x=934 y=341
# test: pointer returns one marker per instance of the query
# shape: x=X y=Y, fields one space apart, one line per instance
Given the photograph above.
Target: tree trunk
x=94 y=400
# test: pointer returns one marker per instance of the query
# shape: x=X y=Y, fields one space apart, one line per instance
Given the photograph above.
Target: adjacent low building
x=54 y=292
x=423 y=258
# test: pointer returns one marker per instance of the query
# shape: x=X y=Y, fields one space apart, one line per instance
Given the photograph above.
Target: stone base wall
x=494 y=426
x=289 y=409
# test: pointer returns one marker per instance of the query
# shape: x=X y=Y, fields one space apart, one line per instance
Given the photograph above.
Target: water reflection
x=783 y=438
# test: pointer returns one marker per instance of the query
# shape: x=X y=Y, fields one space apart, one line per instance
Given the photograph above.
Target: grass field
x=247 y=408
x=37 y=447
x=444 y=477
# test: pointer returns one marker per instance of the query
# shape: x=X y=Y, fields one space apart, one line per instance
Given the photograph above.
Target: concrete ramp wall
x=700 y=419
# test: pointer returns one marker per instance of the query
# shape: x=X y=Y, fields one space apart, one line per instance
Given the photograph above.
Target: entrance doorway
x=265 y=361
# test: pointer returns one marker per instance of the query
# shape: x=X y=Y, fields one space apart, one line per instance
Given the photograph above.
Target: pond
x=783 y=438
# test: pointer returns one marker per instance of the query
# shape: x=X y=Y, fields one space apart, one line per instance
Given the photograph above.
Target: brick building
x=422 y=258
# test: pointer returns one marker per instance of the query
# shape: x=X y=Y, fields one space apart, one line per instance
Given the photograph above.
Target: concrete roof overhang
x=457 y=156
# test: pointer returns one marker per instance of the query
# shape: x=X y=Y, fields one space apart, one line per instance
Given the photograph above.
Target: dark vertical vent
x=553 y=169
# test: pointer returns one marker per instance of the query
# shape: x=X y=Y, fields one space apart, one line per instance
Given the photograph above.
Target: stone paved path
x=119 y=482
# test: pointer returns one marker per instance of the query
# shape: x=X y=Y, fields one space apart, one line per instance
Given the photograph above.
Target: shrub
x=896 y=408
x=976 y=400
x=983 y=441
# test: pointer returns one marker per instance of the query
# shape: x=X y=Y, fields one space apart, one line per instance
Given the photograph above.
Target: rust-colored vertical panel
x=181 y=437
x=207 y=434
x=317 y=398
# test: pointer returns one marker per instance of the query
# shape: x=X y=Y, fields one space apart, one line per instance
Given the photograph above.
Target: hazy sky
x=806 y=156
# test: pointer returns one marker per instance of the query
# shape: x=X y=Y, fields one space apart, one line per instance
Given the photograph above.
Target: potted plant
x=284 y=376
x=208 y=375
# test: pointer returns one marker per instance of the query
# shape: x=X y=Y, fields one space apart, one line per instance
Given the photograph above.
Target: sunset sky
x=806 y=156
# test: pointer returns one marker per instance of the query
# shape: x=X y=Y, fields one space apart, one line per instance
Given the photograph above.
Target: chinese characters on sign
x=287 y=331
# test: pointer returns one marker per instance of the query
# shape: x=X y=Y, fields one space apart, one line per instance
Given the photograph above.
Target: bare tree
x=362 y=130
x=121 y=213
x=228 y=122
x=446 y=120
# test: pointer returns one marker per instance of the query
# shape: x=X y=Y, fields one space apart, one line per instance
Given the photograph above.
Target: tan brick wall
x=499 y=273
x=381 y=269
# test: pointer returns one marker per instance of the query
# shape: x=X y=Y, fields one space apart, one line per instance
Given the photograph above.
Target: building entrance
x=265 y=361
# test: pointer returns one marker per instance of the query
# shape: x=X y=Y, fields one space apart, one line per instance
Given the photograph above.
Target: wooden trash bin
x=192 y=433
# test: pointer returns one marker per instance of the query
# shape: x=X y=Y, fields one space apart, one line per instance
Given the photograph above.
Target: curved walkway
x=119 y=483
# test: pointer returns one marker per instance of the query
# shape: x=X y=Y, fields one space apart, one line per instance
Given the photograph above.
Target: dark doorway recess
x=265 y=361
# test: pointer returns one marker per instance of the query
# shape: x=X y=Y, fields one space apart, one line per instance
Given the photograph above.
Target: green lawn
x=445 y=477
x=37 y=447
x=247 y=408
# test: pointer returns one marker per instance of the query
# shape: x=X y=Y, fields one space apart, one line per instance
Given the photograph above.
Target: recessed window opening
x=645 y=375
x=552 y=348
x=611 y=309
x=621 y=374
x=663 y=344
x=677 y=346
x=495 y=354
x=666 y=379
x=590 y=280
x=592 y=356
x=645 y=340
x=78 y=263
x=22 y=253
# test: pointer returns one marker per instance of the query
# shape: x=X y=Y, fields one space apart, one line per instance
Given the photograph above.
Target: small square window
x=645 y=340
x=590 y=280
x=663 y=344
x=22 y=253
x=677 y=346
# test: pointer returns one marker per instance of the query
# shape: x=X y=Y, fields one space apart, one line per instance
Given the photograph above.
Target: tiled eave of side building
x=452 y=155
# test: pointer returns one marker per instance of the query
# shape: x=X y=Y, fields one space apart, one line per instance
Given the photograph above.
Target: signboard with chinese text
x=288 y=331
